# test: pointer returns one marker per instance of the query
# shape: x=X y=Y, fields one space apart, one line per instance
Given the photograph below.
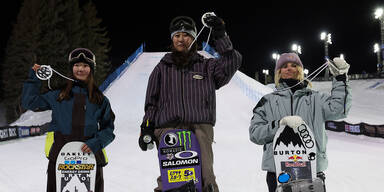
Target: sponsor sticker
x=181 y=175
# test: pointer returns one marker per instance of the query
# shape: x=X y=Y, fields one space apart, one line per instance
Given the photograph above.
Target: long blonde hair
x=300 y=76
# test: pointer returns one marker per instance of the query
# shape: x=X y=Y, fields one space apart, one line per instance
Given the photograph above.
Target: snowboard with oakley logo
x=294 y=152
x=180 y=162
x=75 y=170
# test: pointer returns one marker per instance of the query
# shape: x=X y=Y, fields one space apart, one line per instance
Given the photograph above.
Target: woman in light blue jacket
x=294 y=102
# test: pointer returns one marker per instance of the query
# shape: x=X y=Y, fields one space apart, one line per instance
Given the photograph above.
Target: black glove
x=147 y=136
x=217 y=24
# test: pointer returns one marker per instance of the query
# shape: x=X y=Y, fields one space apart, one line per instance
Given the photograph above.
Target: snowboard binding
x=302 y=185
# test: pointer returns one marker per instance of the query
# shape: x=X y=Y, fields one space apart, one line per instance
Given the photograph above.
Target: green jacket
x=98 y=125
x=312 y=106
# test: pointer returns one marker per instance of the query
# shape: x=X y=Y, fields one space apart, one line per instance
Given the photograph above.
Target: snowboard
x=294 y=152
x=180 y=161
x=75 y=170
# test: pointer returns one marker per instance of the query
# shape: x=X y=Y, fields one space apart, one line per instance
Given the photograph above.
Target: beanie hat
x=183 y=24
x=82 y=55
x=288 y=58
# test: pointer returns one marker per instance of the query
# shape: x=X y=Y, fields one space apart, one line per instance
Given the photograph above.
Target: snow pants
x=204 y=135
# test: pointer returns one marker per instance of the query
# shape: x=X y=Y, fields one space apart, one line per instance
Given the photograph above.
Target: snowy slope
x=367 y=102
x=237 y=160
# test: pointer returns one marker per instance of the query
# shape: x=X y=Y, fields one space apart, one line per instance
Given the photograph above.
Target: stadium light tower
x=326 y=37
x=296 y=48
x=379 y=15
x=275 y=56
x=376 y=49
x=266 y=73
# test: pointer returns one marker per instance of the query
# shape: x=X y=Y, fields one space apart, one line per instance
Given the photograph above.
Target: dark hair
x=95 y=96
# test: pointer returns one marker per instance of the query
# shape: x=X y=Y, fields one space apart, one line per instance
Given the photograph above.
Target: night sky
x=256 y=30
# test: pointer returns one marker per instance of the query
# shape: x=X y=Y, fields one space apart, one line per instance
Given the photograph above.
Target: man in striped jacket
x=181 y=89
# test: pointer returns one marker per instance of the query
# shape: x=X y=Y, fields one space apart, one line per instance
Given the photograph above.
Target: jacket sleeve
x=152 y=96
x=106 y=127
x=227 y=64
x=262 y=129
x=337 y=105
x=31 y=98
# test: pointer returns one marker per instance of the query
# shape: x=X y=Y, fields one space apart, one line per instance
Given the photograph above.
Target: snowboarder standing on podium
x=80 y=112
x=181 y=90
x=294 y=103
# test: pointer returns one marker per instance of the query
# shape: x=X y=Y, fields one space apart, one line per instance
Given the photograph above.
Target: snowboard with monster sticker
x=180 y=161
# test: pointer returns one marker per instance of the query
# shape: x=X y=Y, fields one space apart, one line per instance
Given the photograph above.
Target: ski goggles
x=82 y=54
x=182 y=23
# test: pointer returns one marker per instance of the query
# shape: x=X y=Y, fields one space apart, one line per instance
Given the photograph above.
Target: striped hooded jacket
x=187 y=95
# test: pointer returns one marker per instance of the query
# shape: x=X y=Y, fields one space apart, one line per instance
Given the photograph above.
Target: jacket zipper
x=291 y=104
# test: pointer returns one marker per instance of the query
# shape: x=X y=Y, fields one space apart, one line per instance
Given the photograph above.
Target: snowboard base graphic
x=75 y=170
x=295 y=158
x=179 y=158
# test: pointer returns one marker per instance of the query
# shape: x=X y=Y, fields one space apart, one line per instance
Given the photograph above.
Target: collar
x=285 y=83
x=168 y=58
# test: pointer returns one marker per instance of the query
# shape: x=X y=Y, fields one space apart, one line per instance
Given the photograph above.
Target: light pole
x=296 y=48
x=275 y=56
x=380 y=17
x=326 y=37
x=376 y=49
x=265 y=72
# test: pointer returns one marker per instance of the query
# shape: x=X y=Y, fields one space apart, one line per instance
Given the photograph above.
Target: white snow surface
x=354 y=161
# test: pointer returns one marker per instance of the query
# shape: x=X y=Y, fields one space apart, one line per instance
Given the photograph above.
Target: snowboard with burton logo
x=294 y=152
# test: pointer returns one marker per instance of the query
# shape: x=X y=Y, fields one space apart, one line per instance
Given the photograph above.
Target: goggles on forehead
x=182 y=23
x=82 y=54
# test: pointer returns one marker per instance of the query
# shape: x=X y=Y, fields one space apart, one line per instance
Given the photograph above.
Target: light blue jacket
x=312 y=106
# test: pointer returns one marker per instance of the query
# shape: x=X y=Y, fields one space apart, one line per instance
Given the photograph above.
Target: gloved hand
x=147 y=136
x=338 y=67
x=292 y=121
x=216 y=23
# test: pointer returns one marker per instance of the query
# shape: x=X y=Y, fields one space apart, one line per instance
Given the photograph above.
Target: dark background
x=256 y=30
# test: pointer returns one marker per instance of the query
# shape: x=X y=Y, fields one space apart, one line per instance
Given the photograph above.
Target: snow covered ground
x=354 y=161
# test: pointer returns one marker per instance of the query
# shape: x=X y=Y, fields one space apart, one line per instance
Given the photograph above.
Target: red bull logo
x=295 y=158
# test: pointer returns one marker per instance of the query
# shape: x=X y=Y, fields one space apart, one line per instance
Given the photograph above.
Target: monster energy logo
x=184 y=134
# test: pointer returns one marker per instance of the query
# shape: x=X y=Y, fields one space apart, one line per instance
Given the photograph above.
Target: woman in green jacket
x=294 y=102
x=80 y=112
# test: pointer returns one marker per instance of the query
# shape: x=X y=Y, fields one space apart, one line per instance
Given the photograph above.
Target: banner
x=358 y=129
x=7 y=133
x=14 y=132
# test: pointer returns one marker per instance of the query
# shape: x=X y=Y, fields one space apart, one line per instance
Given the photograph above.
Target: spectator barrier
x=357 y=129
